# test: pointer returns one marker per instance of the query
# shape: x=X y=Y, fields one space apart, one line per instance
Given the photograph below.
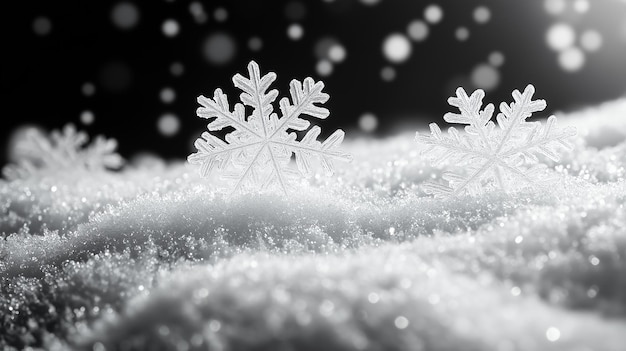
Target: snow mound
x=158 y=258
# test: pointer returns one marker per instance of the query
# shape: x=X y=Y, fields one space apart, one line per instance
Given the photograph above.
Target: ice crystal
x=67 y=149
x=259 y=150
x=506 y=156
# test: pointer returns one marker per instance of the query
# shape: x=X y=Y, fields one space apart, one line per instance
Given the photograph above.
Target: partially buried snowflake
x=258 y=152
x=66 y=151
x=505 y=156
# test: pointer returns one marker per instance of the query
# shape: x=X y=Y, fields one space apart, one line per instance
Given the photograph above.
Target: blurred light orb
x=591 y=40
x=219 y=48
x=388 y=74
x=485 y=77
x=397 y=48
x=87 y=117
x=295 y=10
x=88 y=89
x=255 y=44
x=115 y=76
x=295 y=31
x=496 y=59
x=418 y=30
x=482 y=14
x=323 y=46
x=572 y=59
x=560 y=36
x=220 y=14
x=462 y=34
x=370 y=2
x=581 y=6
x=553 y=334
x=197 y=11
x=177 y=69
x=168 y=125
x=42 y=25
x=337 y=53
x=170 y=28
x=324 y=68
x=554 y=7
x=167 y=95
x=368 y=122
x=433 y=14
x=125 y=15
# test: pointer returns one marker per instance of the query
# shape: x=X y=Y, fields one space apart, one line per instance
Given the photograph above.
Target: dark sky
x=116 y=63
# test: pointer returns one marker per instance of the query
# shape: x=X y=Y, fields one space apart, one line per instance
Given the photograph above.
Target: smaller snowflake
x=506 y=157
x=258 y=152
x=66 y=150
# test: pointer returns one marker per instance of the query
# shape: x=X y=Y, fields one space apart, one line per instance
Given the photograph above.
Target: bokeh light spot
x=219 y=48
x=401 y=322
x=368 y=122
x=125 y=15
x=560 y=36
x=433 y=13
x=167 y=95
x=370 y=2
x=337 y=53
x=168 y=125
x=572 y=59
x=462 y=34
x=581 y=6
x=87 y=117
x=88 y=89
x=554 y=7
x=42 y=25
x=170 y=28
x=591 y=40
x=324 y=68
x=295 y=31
x=418 y=30
x=220 y=14
x=553 y=334
x=323 y=46
x=255 y=44
x=482 y=14
x=485 y=77
x=496 y=59
x=388 y=74
x=397 y=48
x=177 y=69
x=197 y=11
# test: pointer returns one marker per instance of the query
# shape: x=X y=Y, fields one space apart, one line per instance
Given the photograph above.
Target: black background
x=42 y=75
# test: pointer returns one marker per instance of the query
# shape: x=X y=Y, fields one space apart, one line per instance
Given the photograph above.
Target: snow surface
x=155 y=258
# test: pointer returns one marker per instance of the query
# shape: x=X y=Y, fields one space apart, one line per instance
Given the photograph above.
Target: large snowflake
x=259 y=150
x=506 y=156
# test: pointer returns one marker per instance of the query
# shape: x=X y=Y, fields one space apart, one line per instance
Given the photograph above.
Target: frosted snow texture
x=506 y=157
x=65 y=150
x=258 y=152
x=156 y=259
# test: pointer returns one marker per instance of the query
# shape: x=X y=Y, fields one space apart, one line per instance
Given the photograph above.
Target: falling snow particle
x=560 y=36
x=220 y=14
x=485 y=77
x=125 y=15
x=88 y=89
x=572 y=59
x=167 y=95
x=397 y=48
x=482 y=14
x=401 y=322
x=418 y=30
x=462 y=34
x=554 y=7
x=591 y=40
x=581 y=6
x=324 y=68
x=255 y=44
x=168 y=124
x=368 y=122
x=177 y=69
x=87 y=117
x=388 y=74
x=553 y=334
x=42 y=26
x=337 y=53
x=295 y=31
x=433 y=14
x=170 y=28
x=496 y=59
x=219 y=48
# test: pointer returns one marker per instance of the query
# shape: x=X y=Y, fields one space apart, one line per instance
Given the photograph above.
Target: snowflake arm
x=493 y=156
x=258 y=152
